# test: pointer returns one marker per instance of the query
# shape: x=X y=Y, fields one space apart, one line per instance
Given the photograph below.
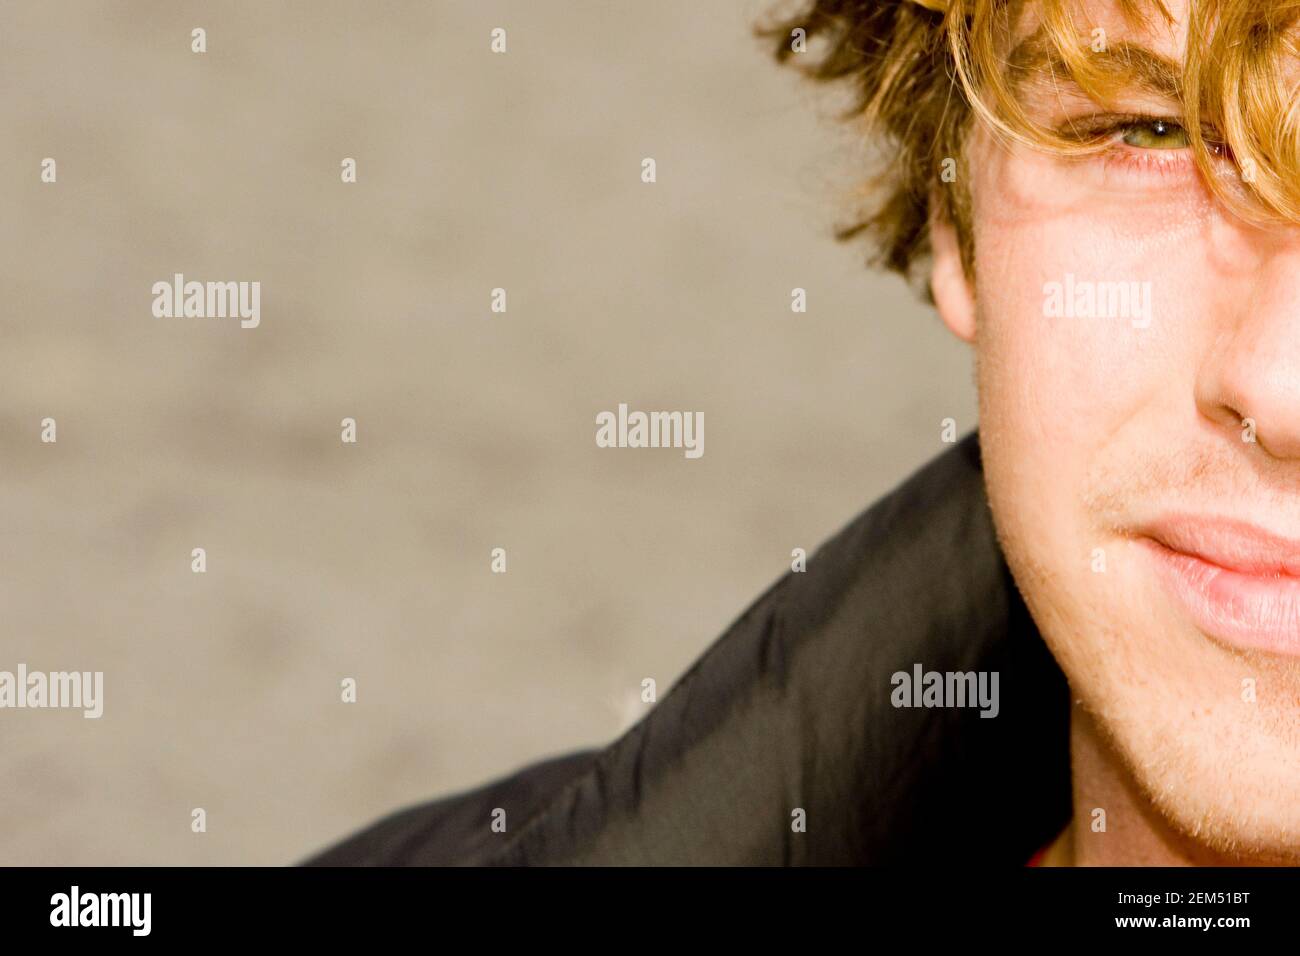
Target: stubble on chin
x=1203 y=777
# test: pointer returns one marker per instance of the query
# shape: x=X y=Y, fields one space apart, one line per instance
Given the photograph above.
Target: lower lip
x=1251 y=611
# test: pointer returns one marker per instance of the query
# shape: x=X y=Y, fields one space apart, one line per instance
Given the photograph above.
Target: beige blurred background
x=475 y=430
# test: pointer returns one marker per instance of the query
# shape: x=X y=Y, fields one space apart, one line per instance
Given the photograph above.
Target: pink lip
x=1239 y=583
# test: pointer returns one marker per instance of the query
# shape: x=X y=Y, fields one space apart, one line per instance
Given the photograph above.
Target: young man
x=1076 y=636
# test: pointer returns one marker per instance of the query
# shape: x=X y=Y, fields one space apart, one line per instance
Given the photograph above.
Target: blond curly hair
x=924 y=70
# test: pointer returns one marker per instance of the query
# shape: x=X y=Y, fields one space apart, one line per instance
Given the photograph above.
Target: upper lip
x=1229 y=543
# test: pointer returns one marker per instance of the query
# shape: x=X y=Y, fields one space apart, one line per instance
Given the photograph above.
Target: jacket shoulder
x=780 y=744
x=454 y=829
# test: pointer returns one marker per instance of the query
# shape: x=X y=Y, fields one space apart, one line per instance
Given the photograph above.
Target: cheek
x=1090 y=313
x=1056 y=379
x=1061 y=386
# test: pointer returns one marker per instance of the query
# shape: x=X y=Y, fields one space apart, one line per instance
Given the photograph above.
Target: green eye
x=1156 y=134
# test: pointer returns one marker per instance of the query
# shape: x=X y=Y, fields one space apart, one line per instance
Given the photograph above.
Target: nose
x=1252 y=373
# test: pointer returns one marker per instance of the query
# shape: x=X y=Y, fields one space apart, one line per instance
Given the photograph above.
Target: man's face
x=1157 y=549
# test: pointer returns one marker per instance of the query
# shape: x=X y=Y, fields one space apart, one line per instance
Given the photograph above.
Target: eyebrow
x=1035 y=58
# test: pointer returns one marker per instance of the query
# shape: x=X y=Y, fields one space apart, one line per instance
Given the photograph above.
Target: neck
x=1135 y=834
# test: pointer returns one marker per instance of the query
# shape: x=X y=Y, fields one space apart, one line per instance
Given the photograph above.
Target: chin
x=1218 y=773
x=1224 y=783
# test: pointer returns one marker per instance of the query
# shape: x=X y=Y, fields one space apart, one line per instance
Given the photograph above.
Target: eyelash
x=1163 y=163
x=1116 y=156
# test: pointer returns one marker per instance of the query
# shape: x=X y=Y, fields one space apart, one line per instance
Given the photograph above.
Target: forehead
x=1060 y=42
x=1145 y=43
x=1142 y=22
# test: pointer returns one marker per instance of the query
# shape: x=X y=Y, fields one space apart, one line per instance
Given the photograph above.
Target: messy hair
x=922 y=71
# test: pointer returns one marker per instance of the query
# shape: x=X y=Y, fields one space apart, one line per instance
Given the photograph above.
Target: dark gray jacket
x=790 y=710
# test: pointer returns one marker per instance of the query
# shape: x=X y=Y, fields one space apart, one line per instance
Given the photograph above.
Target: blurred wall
x=475 y=430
